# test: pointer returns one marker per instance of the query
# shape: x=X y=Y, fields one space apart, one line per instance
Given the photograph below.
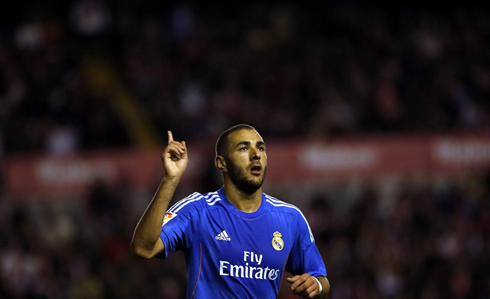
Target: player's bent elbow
x=140 y=251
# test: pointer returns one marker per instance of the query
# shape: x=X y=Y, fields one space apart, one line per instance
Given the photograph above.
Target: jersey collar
x=229 y=206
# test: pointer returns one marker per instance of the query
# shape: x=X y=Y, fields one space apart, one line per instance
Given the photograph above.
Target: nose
x=255 y=154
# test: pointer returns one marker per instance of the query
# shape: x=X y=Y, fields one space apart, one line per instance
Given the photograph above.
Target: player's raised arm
x=146 y=241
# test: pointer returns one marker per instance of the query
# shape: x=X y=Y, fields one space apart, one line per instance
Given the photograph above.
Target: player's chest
x=261 y=242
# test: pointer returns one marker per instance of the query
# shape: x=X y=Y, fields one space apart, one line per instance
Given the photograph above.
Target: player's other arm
x=307 y=286
x=146 y=242
x=325 y=286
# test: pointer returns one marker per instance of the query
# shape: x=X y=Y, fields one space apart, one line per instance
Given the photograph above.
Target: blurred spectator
x=89 y=17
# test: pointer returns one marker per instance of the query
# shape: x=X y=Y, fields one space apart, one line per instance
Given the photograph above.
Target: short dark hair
x=222 y=143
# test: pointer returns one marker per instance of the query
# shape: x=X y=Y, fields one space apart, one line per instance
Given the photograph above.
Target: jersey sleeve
x=304 y=256
x=175 y=231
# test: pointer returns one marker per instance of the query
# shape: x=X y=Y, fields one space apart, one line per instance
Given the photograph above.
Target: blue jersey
x=233 y=254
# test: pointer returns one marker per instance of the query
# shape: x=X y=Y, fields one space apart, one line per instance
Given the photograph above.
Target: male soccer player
x=237 y=241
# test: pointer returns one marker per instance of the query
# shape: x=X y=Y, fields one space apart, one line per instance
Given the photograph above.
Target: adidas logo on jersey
x=223 y=236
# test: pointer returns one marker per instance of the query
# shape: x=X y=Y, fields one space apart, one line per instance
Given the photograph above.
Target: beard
x=238 y=177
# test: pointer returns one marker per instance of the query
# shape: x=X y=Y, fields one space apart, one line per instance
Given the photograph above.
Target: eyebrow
x=247 y=143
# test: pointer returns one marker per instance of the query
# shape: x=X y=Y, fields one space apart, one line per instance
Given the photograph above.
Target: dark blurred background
x=397 y=96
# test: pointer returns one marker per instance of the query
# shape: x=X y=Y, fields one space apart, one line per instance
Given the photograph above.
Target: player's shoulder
x=195 y=202
x=281 y=206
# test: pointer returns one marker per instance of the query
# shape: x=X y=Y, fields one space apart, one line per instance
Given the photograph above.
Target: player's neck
x=243 y=201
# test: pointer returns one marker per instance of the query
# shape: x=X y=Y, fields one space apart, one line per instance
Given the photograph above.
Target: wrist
x=320 y=287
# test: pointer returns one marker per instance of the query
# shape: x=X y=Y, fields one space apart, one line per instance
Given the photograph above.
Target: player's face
x=246 y=161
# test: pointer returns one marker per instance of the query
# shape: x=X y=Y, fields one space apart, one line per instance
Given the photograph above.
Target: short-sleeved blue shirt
x=233 y=254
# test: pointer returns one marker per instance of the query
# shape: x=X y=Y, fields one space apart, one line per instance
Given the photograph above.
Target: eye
x=262 y=148
x=243 y=149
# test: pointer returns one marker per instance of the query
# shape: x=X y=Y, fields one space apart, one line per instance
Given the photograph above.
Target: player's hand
x=175 y=157
x=304 y=285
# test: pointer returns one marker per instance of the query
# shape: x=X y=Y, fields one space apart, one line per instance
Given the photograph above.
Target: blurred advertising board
x=289 y=160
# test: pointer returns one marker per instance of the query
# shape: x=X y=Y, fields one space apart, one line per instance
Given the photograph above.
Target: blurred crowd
x=319 y=70
x=426 y=240
x=324 y=70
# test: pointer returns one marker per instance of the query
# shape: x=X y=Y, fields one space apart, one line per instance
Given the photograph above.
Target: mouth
x=256 y=169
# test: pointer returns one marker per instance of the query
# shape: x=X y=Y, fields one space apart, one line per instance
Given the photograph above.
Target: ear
x=220 y=163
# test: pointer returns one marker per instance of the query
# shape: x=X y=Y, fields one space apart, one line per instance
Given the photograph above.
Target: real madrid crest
x=277 y=242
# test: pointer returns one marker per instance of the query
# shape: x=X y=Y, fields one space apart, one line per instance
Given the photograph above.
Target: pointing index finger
x=170 y=137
